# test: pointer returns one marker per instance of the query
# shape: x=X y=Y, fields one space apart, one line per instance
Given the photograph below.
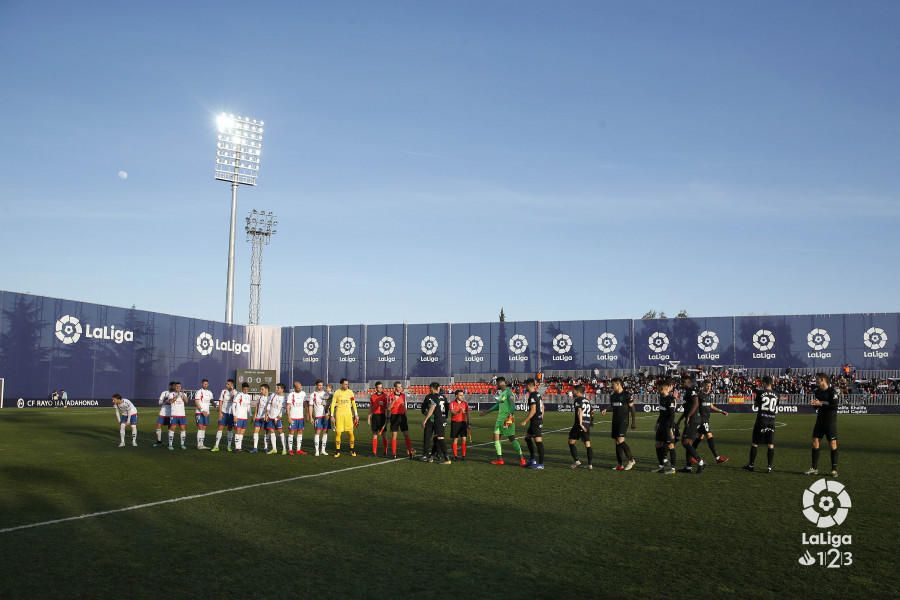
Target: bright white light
x=225 y=123
x=123 y=175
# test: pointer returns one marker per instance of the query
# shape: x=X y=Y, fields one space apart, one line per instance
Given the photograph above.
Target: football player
x=826 y=402
x=298 y=409
x=127 y=415
x=707 y=407
x=665 y=427
x=165 y=413
x=260 y=418
x=622 y=406
x=202 y=399
x=344 y=416
x=226 y=418
x=177 y=400
x=534 y=424
x=459 y=423
x=240 y=408
x=765 y=402
x=581 y=428
x=274 y=410
x=505 y=425
x=397 y=412
x=377 y=417
x=436 y=418
x=691 y=418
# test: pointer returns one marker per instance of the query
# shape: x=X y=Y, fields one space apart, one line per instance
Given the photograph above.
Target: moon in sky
x=123 y=175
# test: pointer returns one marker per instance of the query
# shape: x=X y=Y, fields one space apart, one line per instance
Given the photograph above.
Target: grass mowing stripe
x=215 y=493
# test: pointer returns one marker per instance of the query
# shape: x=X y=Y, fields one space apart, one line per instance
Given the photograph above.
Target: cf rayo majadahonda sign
x=69 y=330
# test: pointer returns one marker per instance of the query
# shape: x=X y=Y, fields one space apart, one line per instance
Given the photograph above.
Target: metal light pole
x=237 y=161
x=260 y=228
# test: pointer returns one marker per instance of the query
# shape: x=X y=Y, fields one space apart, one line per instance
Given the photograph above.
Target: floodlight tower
x=237 y=161
x=260 y=228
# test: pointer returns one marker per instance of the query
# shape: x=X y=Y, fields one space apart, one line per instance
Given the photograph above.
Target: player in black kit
x=581 y=429
x=438 y=408
x=622 y=406
x=691 y=418
x=665 y=427
x=707 y=407
x=765 y=402
x=534 y=422
x=826 y=403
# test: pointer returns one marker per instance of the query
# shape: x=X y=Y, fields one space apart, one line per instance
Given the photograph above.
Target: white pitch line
x=214 y=493
x=194 y=496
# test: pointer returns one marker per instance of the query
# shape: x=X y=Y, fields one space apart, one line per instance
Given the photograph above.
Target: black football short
x=704 y=429
x=690 y=431
x=826 y=429
x=535 y=428
x=764 y=433
x=619 y=429
x=577 y=433
x=439 y=427
x=399 y=423
x=378 y=422
x=665 y=431
x=458 y=429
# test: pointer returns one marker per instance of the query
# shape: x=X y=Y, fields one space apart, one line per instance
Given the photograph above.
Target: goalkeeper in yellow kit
x=344 y=416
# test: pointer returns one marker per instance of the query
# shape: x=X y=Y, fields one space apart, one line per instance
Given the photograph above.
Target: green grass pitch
x=408 y=529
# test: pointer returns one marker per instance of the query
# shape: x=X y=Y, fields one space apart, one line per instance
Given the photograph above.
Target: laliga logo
x=875 y=338
x=518 y=344
x=69 y=331
x=658 y=342
x=347 y=346
x=826 y=503
x=311 y=346
x=205 y=344
x=607 y=343
x=429 y=345
x=474 y=346
x=818 y=339
x=708 y=341
x=386 y=345
x=763 y=340
x=562 y=344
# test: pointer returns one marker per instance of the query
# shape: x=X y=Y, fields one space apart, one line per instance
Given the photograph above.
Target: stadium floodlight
x=238 y=150
x=260 y=228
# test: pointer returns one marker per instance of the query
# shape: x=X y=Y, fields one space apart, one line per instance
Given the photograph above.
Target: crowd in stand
x=727 y=382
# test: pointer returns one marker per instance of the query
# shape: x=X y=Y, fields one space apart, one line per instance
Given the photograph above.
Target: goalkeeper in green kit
x=506 y=424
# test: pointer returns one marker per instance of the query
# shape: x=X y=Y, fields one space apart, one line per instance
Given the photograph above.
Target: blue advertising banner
x=562 y=345
x=93 y=351
x=384 y=352
x=607 y=344
x=309 y=351
x=817 y=340
x=471 y=350
x=653 y=342
x=763 y=342
x=346 y=352
x=517 y=346
x=703 y=341
x=428 y=350
x=873 y=341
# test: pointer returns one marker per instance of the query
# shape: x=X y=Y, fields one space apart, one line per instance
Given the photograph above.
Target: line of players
x=337 y=410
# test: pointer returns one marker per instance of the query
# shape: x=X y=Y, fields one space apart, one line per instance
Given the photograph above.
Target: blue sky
x=432 y=161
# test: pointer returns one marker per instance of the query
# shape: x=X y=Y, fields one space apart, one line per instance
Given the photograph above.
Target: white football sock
x=199 y=437
x=230 y=437
x=283 y=445
x=324 y=441
x=122 y=433
x=171 y=437
x=159 y=436
x=183 y=437
x=291 y=443
x=255 y=440
x=238 y=440
x=299 y=440
x=274 y=439
x=316 y=442
x=134 y=434
x=218 y=437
